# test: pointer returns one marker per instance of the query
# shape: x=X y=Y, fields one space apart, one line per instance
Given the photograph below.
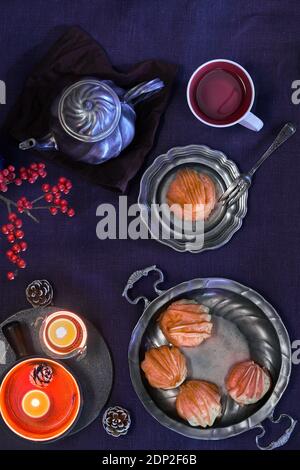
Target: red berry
x=61 y=187
x=23 y=246
x=71 y=213
x=11 y=238
x=46 y=187
x=31 y=180
x=53 y=210
x=55 y=190
x=69 y=185
x=21 y=263
x=18 y=223
x=41 y=166
x=48 y=197
x=5 y=172
x=14 y=259
x=64 y=209
x=4 y=229
x=16 y=248
x=3 y=188
x=19 y=234
x=10 y=227
x=11 y=168
x=12 y=217
x=9 y=254
x=63 y=202
x=56 y=201
x=10 y=276
x=33 y=166
x=18 y=181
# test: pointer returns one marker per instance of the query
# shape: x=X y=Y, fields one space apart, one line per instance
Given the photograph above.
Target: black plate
x=94 y=372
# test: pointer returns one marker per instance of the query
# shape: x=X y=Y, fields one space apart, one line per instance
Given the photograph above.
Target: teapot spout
x=47 y=142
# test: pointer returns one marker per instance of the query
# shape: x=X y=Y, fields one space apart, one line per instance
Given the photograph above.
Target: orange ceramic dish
x=35 y=413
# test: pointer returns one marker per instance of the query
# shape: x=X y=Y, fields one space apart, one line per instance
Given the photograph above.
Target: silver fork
x=243 y=182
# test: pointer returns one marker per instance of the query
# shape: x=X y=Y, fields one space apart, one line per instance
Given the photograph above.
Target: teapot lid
x=89 y=110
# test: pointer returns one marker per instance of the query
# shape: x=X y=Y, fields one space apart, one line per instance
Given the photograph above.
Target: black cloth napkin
x=74 y=55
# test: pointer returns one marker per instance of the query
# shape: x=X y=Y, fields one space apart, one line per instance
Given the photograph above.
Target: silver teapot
x=93 y=120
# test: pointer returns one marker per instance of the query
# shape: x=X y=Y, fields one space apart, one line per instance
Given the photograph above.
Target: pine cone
x=39 y=293
x=41 y=375
x=116 y=421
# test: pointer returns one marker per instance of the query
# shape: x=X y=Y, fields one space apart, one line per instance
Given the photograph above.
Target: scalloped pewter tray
x=222 y=223
x=245 y=326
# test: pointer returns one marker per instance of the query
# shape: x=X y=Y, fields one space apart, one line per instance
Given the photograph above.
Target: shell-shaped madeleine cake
x=247 y=382
x=199 y=403
x=193 y=193
x=164 y=367
x=186 y=323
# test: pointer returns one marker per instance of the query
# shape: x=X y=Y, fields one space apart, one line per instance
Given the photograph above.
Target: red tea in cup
x=220 y=93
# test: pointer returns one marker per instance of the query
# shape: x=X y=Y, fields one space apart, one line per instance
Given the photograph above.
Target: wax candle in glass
x=63 y=335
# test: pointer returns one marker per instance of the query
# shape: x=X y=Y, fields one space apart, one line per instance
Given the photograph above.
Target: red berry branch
x=54 y=202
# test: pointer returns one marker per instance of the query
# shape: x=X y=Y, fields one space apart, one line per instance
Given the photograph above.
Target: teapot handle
x=143 y=91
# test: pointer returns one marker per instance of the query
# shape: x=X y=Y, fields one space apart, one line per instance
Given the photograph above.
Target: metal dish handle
x=283 y=439
x=135 y=277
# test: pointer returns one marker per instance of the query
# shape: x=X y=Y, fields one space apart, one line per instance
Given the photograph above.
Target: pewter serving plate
x=245 y=326
x=222 y=223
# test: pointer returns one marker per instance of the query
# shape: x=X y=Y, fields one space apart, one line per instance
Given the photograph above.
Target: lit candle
x=35 y=404
x=63 y=334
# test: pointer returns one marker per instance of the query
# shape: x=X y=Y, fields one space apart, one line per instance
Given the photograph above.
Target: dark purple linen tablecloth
x=88 y=274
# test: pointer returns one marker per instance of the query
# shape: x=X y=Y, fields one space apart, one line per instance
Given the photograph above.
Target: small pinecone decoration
x=41 y=375
x=39 y=293
x=116 y=421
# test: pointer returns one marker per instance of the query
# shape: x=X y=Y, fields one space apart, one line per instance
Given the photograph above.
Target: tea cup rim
x=237 y=121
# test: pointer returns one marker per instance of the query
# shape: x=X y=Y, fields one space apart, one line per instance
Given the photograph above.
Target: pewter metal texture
x=222 y=223
x=244 y=181
x=245 y=326
x=93 y=120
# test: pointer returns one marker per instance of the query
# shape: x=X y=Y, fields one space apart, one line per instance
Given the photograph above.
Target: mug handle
x=18 y=339
x=252 y=122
